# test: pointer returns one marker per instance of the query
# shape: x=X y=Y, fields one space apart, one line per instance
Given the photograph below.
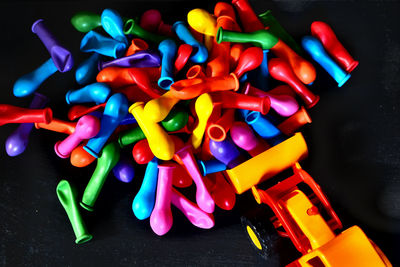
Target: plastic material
x=160 y=143
x=17 y=142
x=67 y=195
x=267 y=164
x=86 y=71
x=87 y=127
x=132 y=27
x=29 y=83
x=191 y=88
x=203 y=198
x=284 y=105
x=226 y=152
x=318 y=53
x=152 y=22
x=13 y=114
x=167 y=50
x=249 y=19
x=85 y=21
x=143 y=203
x=108 y=159
x=115 y=110
x=137 y=45
x=95 y=42
x=183 y=33
x=112 y=23
x=124 y=170
x=95 y=92
x=243 y=136
x=161 y=219
x=280 y=70
x=264 y=128
x=326 y=35
x=61 y=57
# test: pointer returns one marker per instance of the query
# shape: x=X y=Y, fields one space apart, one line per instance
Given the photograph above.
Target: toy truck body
x=307 y=219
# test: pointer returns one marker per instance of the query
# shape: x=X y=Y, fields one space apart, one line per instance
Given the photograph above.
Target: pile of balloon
x=191 y=100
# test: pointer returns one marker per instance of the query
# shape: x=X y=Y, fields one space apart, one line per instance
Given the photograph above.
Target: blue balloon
x=114 y=111
x=200 y=53
x=29 y=83
x=264 y=128
x=87 y=70
x=210 y=166
x=95 y=42
x=95 y=92
x=314 y=47
x=168 y=50
x=144 y=201
x=124 y=170
x=112 y=23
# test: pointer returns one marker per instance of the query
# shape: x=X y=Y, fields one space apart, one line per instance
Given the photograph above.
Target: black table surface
x=354 y=145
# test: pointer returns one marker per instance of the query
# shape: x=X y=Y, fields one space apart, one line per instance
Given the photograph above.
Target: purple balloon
x=141 y=59
x=226 y=152
x=124 y=170
x=17 y=142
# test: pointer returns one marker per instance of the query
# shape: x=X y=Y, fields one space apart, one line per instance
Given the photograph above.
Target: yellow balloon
x=204 y=107
x=160 y=142
x=158 y=109
x=202 y=21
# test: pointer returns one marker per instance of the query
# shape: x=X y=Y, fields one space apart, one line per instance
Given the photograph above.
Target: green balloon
x=132 y=27
x=130 y=136
x=68 y=199
x=86 y=21
x=261 y=38
x=276 y=29
x=108 y=159
x=176 y=120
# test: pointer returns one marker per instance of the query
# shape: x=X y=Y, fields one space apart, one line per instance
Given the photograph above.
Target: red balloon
x=141 y=152
x=250 y=59
x=221 y=191
x=13 y=114
x=181 y=177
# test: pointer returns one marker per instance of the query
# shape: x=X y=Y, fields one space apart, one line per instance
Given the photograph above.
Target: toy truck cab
x=302 y=211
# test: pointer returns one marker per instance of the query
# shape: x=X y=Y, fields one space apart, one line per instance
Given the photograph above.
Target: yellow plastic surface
x=350 y=248
x=267 y=164
x=313 y=226
x=204 y=107
x=160 y=142
x=158 y=109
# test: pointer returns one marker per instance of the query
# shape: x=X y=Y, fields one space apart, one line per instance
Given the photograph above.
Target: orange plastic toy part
x=160 y=142
x=350 y=248
x=303 y=69
x=57 y=125
x=158 y=109
x=300 y=219
x=267 y=164
x=295 y=122
x=78 y=111
x=136 y=46
x=191 y=88
x=80 y=158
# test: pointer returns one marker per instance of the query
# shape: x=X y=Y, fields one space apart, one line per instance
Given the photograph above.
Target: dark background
x=354 y=148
